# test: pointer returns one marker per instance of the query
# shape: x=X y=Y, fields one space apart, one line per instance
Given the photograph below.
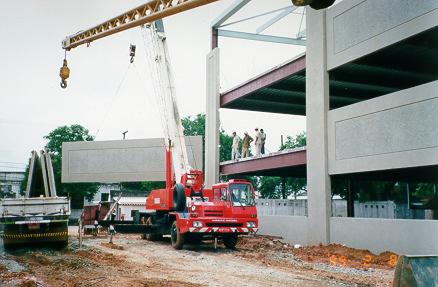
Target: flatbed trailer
x=29 y=221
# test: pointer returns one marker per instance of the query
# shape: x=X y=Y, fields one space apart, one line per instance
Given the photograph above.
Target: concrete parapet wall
x=398 y=130
x=293 y=229
x=403 y=236
x=356 y=28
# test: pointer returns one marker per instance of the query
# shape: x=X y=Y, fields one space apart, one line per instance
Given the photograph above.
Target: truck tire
x=176 y=238
x=321 y=4
x=230 y=241
x=179 y=198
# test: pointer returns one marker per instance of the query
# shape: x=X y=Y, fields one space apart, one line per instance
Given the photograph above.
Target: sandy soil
x=131 y=261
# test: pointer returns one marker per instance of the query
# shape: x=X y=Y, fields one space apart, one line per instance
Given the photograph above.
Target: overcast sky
x=32 y=102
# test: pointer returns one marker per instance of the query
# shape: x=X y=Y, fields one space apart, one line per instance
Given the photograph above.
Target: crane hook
x=64 y=73
x=132 y=53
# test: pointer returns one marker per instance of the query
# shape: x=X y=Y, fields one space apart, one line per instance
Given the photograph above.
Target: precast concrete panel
x=398 y=130
x=402 y=236
x=317 y=106
x=212 y=119
x=356 y=28
x=293 y=229
x=121 y=161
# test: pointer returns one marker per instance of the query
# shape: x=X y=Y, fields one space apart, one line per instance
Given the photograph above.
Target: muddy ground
x=132 y=261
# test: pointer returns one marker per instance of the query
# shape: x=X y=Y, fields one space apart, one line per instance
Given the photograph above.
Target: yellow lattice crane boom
x=143 y=14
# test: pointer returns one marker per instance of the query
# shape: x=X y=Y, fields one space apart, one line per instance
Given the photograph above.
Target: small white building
x=10 y=183
x=104 y=193
x=127 y=204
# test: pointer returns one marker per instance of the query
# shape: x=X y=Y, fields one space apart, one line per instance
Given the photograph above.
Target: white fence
x=370 y=209
x=282 y=207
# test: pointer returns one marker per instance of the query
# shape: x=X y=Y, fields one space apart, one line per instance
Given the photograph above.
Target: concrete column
x=212 y=120
x=317 y=105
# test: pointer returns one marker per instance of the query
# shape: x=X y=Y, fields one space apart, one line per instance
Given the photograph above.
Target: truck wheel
x=179 y=197
x=321 y=4
x=176 y=237
x=230 y=241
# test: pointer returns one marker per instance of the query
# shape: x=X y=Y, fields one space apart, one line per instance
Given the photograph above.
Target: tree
x=300 y=140
x=55 y=138
x=278 y=187
x=195 y=126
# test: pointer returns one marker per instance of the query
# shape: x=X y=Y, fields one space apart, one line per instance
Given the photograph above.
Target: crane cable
x=114 y=97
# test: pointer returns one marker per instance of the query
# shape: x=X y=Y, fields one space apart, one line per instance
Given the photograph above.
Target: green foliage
x=73 y=133
x=77 y=191
x=226 y=142
x=195 y=126
x=272 y=186
x=299 y=140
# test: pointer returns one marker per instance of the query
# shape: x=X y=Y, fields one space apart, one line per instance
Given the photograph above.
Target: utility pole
x=124 y=134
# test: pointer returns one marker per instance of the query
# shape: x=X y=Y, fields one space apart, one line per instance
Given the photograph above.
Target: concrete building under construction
x=367 y=85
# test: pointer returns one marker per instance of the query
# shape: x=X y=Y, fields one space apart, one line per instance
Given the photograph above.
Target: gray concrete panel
x=402 y=236
x=293 y=229
x=121 y=161
x=397 y=130
x=356 y=27
x=212 y=119
x=317 y=105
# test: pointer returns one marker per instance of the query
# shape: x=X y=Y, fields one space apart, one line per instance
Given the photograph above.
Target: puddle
x=11 y=265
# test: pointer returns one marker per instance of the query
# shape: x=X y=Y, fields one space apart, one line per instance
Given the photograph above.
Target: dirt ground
x=132 y=261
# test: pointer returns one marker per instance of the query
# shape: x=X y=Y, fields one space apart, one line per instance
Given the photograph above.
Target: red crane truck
x=189 y=213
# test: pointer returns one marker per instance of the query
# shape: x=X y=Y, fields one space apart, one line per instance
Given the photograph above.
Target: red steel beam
x=265 y=80
x=291 y=159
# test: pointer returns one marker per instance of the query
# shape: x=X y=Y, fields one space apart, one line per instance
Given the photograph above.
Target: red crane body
x=188 y=212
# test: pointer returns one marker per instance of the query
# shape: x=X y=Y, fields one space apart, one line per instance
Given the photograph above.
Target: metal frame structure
x=143 y=14
x=219 y=22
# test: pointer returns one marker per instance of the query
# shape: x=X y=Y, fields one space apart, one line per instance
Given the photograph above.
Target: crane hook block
x=132 y=52
x=64 y=73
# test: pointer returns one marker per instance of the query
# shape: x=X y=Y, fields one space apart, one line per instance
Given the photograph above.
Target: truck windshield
x=241 y=195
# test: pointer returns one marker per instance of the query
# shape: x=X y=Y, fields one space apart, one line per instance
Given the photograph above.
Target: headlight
x=197 y=224
x=193 y=207
x=250 y=224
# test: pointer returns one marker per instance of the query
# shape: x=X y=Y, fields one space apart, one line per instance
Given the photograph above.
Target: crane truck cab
x=190 y=213
x=224 y=212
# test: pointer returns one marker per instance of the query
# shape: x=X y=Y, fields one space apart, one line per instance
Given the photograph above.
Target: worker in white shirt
x=263 y=136
x=258 y=142
x=235 y=148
